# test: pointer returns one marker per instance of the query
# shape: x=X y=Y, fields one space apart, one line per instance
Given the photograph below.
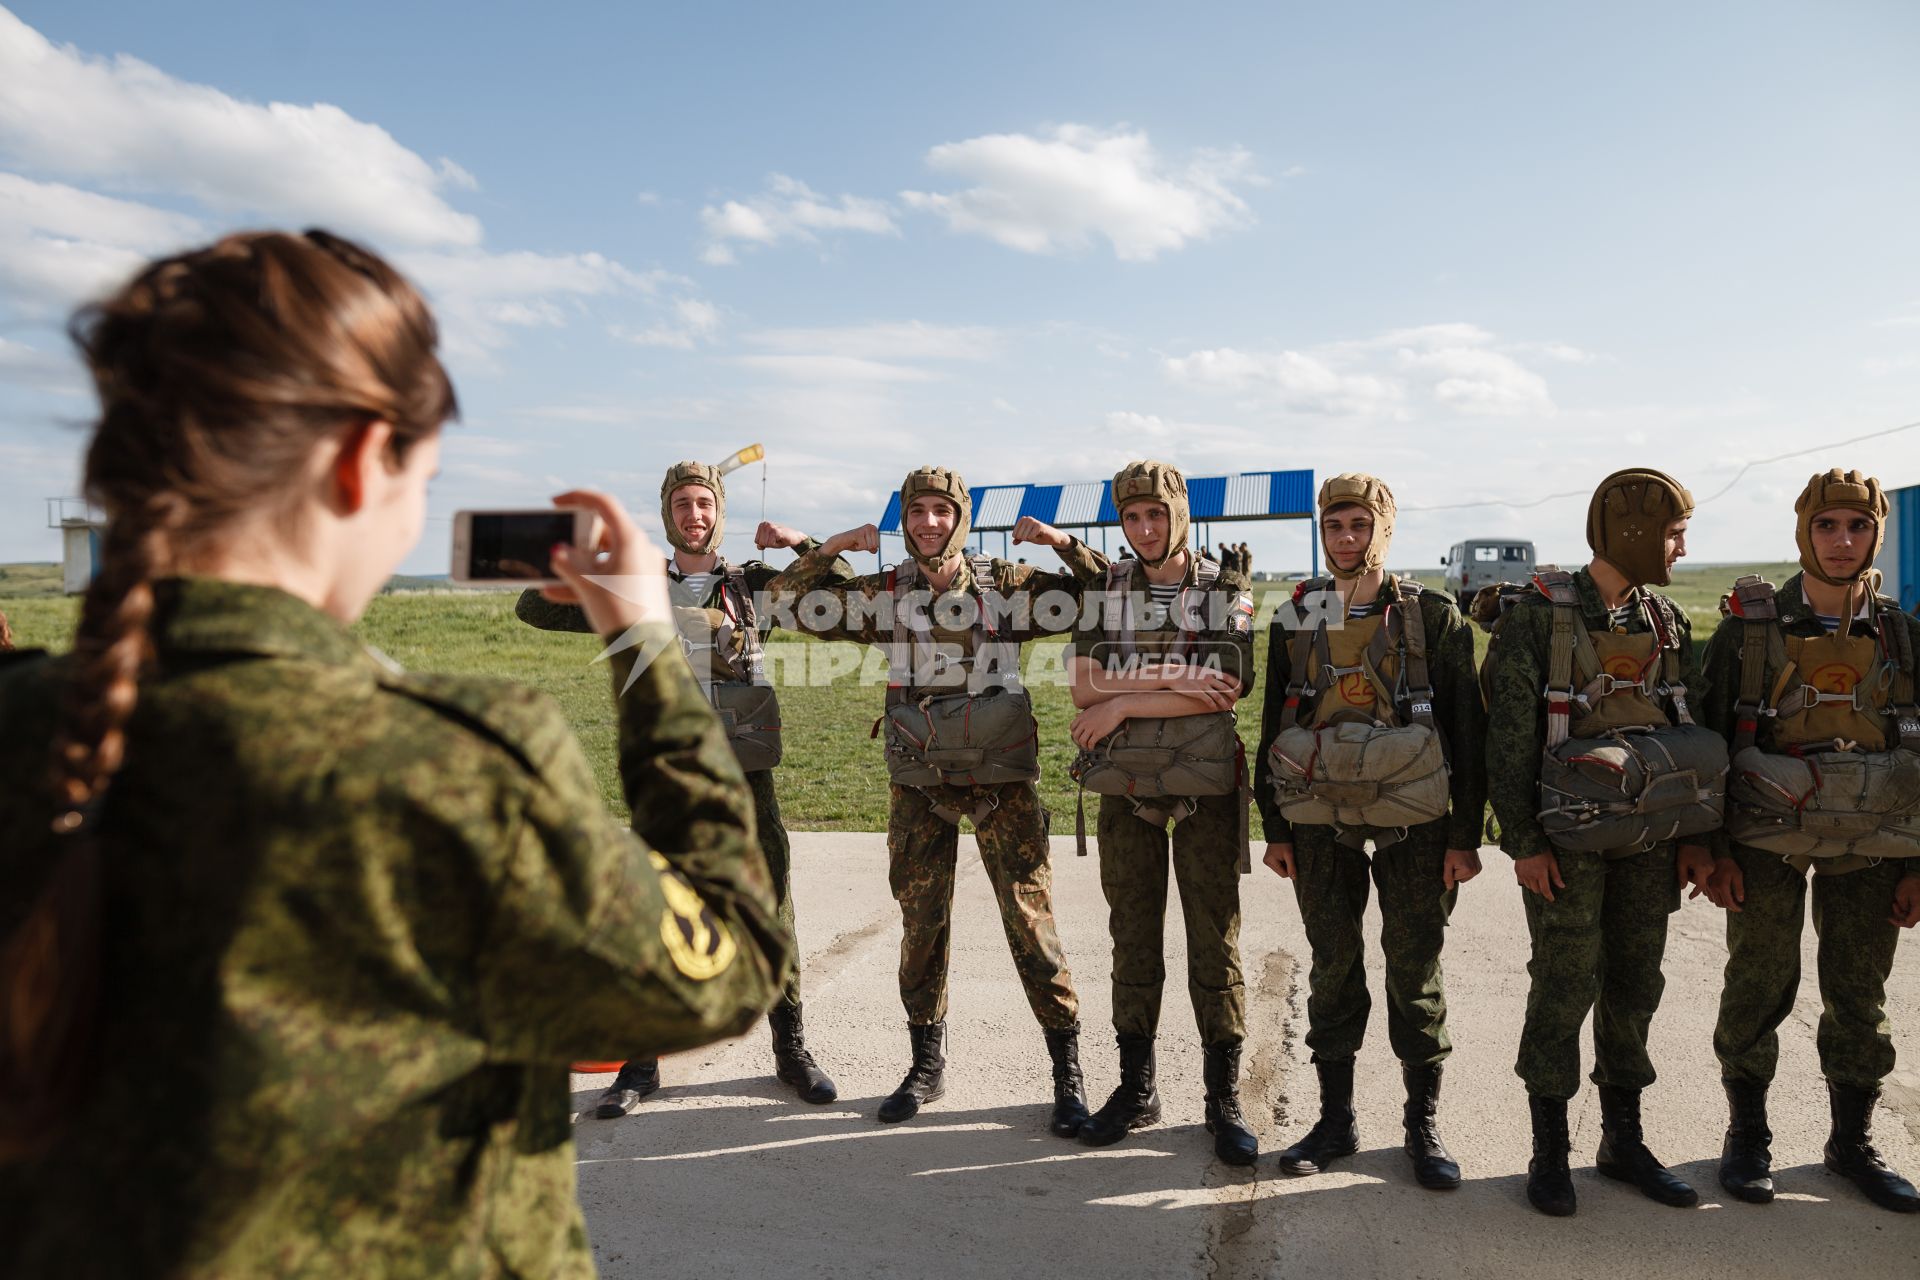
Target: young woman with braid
x=295 y=948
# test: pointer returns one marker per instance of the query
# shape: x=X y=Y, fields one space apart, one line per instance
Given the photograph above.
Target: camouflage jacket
x=696 y=618
x=860 y=615
x=358 y=923
x=1456 y=710
x=1722 y=669
x=1517 y=707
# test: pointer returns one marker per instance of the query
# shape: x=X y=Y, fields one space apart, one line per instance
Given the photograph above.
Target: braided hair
x=219 y=372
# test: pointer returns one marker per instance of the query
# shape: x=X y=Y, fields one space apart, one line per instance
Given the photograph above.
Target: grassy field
x=832 y=779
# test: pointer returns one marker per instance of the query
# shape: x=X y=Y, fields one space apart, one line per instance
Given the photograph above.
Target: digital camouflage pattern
x=1855 y=955
x=769 y=829
x=1456 y=710
x=1852 y=900
x=1331 y=883
x=1517 y=711
x=358 y=925
x=699 y=619
x=1596 y=947
x=1331 y=879
x=922 y=857
x=1203 y=848
x=1134 y=856
x=1599 y=945
x=922 y=847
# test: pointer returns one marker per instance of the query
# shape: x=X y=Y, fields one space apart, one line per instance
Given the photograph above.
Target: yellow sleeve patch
x=697 y=941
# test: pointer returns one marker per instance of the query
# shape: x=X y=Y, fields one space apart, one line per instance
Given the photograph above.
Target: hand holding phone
x=631 y=570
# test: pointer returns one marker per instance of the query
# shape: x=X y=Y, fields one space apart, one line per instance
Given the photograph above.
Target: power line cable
x=1718 y=493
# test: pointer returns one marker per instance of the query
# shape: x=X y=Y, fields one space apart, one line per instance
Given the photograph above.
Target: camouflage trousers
x=1134 y=855
x=922 y=855
x=1331 y=883
x=1855 y=956
x=1596 y=947
x=779 y=853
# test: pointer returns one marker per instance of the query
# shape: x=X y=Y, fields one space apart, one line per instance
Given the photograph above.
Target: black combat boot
x=1850 y=1151
x=1746 y=1157
x=792 y=1064
x=926 y=1079
x=1433 y=1167
x=1549 y=1184
x=1623 y=1151
x=1233 y=1142
x=637 y=1081
x=1135 y=1104
x=1069 y=1091
x=1335 y=1133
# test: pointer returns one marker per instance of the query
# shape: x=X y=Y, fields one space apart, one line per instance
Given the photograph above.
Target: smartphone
x=513 y=548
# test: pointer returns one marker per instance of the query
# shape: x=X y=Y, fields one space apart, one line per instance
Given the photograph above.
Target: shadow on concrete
x=989 y=1192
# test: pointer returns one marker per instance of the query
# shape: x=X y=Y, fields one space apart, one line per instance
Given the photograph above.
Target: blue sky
x=1488 y=251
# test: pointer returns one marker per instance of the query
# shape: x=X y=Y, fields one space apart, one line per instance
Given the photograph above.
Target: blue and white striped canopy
x=1250 y=495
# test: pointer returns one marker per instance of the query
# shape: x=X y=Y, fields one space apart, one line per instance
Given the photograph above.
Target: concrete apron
x=724 y=1172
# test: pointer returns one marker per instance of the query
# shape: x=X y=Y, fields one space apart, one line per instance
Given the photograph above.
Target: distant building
x=1899 y=560
x=80 y=529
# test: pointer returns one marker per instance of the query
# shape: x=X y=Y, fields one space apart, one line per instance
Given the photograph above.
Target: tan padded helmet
x=1161 y=482
x=1627 y=522
x=1358 y=489
x=937 y=482
x=1851 y=491
x=679 y=476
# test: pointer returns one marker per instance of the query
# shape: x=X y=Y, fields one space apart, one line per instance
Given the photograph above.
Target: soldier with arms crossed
x=1393 y=657
x=1814 y=687
x=952 y=625
x=722 y=631
x=1592 y=671
x=1175 y=645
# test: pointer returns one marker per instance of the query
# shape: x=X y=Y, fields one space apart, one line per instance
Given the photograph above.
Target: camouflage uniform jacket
x=697 y=618
x=357 y=925
x=866 y=618
x=1517 y=707
x=1722 y=667
x=1456 y=710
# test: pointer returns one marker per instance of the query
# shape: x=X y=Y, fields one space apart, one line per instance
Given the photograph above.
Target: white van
x=1481 y=562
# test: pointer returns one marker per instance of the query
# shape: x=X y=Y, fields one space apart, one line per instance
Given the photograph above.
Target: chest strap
x=1119 y=618
x=1402 y=629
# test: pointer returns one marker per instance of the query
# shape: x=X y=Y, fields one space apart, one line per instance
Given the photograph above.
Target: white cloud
x=787 y=210
x=1296 y=380
x=1062 y=191
x=1459 y=367
x=479 y=296
x=122 y=121
x=694 y=320
x=911 y=340
x=59 y=244
x=835 y=369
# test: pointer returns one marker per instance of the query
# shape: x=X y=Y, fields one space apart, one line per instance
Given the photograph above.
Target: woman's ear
x=360 y=462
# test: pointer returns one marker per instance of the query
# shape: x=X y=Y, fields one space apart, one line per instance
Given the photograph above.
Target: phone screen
x=509 y=547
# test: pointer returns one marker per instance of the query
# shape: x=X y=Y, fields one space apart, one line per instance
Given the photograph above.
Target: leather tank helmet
x=1161 y=482
x=679 y=476
x=1850 y=491
x=1358 y=489
x=1627 y=522
x=937 y=482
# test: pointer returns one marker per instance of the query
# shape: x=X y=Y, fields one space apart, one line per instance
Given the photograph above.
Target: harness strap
x=1557 y=586
x=1418 y=678
x=736 y=600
